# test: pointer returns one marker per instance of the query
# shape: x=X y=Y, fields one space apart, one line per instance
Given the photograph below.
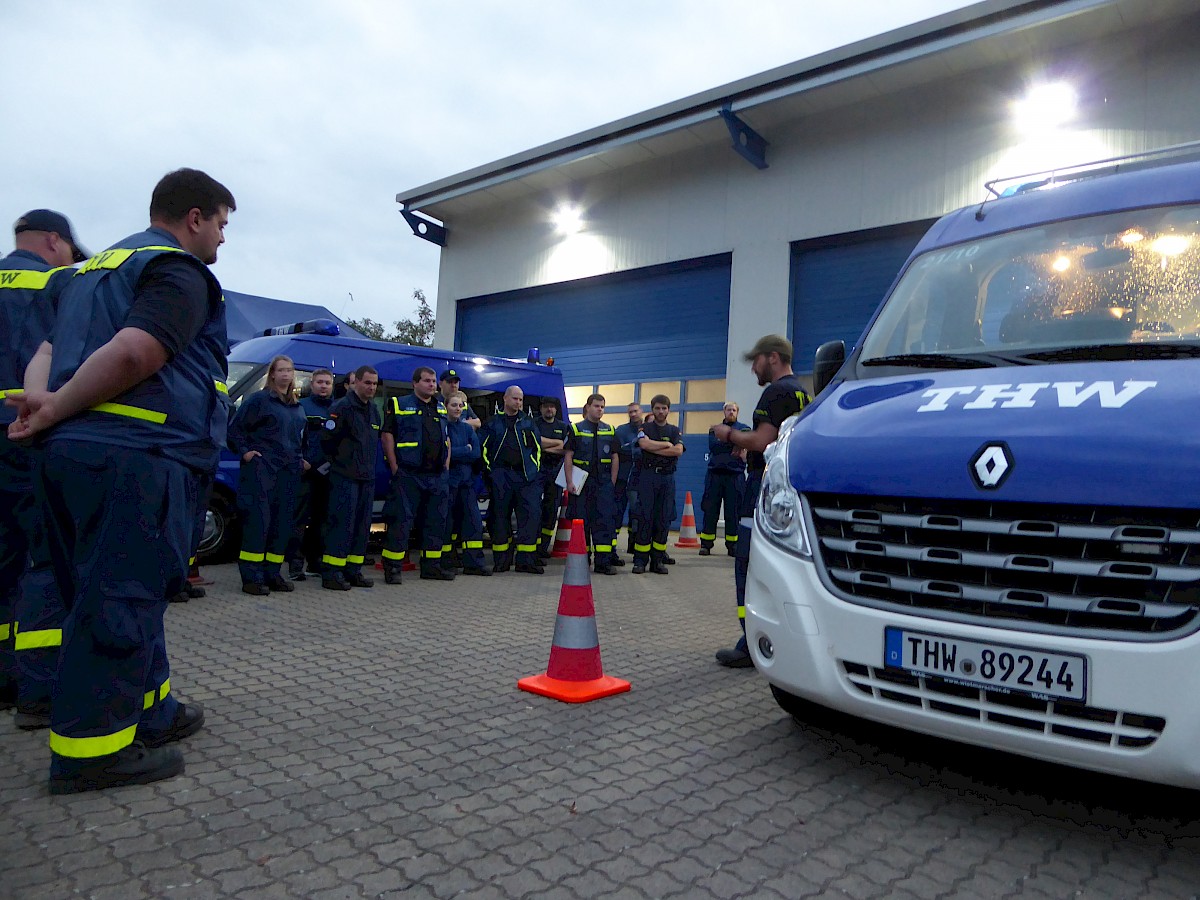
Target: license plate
x=997 y=667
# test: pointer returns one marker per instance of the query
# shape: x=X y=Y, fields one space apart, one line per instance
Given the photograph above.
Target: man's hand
x=306 y=464
x=36 y=411
x=721 y=432
x=249 y=455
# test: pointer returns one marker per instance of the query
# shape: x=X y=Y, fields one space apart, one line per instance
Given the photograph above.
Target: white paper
x=578 y=475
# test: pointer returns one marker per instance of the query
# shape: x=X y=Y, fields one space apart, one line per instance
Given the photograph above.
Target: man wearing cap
x=448 y=383
x=771 y=362
x=30 y=607
x=552 y=432
x=129 y=398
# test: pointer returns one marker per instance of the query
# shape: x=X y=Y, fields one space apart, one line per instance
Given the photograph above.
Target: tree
x=416 y=331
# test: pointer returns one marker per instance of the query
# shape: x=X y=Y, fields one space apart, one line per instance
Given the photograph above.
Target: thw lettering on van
x=1065 y=394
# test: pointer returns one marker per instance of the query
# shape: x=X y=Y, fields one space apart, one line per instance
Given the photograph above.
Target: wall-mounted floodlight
x=1045 y=107
x=567 y=219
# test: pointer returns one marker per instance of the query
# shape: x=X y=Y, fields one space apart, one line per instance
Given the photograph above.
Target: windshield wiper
x=1101 y=352
x=938 y=361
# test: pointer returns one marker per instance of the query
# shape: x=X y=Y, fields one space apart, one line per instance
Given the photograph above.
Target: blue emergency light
x=535 y=355
x=326 y=327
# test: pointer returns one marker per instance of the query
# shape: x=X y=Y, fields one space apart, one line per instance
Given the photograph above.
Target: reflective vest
x=585 y=443
x=405 y=424
x=27 y=286
x=181 y=411
x=495 y=432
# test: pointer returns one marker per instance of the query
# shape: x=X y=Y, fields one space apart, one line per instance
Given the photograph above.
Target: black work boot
x=391 y=574
x=189 y=718
x=135 y=764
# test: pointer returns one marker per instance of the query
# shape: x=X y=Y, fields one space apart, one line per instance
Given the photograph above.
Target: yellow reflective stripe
x=741 y=612
x=658 y=546
x=548 y=532
x=392 y=554
x=11 y=392
x=191 y=560
x=604 y=548
x=641 y=548
x=5 y=631
x=150 y=699
x=501 y=547
x=222 y=387
x=274 y=557
x=114 y=259
x=133 y=412
x=526 y=548
x=357 y=560
x=707 y=537
x=333 y=560
x=404 y=412
x=446 y=548
x=406 y=444
x=25 y=279
x=731 y=539
x=473 y=545
x=431 y=554
x=35 y=640
x=89 y=747
x=247 y=556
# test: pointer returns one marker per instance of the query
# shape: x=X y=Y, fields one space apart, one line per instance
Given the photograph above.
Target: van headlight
x=778 y=512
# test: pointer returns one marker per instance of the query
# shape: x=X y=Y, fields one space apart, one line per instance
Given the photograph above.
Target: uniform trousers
x=595 y=505
x=267 y=501
x=656 y=500
x=312 y=505
x=512 y=492
x=18 y=520
x=119 y=523
x=721 y=488
x=551 y=501
x=625 y=497
x=466 y=524
x=347 y=525
x=420 y=499
x=741 y=561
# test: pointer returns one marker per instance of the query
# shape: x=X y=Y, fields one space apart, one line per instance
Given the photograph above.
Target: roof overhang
x=971 y=38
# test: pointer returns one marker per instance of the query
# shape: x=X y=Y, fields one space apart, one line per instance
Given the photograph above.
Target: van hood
x=1108 y=433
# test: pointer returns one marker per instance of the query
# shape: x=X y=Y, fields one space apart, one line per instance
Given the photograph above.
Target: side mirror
x=826 y=362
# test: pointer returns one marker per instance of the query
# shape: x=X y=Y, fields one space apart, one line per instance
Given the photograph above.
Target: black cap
x=548 y=401
x=57 y=223
x=449 y=375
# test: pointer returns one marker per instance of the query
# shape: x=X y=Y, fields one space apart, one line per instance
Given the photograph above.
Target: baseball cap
x=770 y=343
x=549 y=401
x=449 y=375
x=54 y=222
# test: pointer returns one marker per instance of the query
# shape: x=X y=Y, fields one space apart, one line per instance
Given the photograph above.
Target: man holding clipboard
x=590 y=476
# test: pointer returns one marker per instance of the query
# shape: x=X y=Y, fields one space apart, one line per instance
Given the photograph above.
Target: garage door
x=629 y=336
x=838 y=281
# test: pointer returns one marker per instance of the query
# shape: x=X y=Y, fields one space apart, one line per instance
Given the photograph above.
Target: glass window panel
x=699 y=421
x=650 y=388
x=577 y=396
x=708 y=390
x=617 y=394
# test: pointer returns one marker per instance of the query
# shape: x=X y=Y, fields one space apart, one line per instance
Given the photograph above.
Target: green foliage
x=417 y=331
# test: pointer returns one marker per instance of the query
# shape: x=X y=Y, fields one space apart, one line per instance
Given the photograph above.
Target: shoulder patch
x=331 y=423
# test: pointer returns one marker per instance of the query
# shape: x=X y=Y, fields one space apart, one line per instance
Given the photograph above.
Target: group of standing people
x=114 y=377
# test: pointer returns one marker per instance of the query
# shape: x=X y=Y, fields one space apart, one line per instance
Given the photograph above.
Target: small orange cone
x=687 y=528
x=562 y=537
x=575 y=673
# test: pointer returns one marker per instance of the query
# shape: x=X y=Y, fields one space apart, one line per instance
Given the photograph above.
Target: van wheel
x=790 y=703
x=220 y=530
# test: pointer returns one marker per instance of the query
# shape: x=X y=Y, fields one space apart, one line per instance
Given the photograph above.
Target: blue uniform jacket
x=316 y=414
x=720 y=453
x=351 y=438
x=26 y=317
x=274 y=428
x=528 y=443
x=465 y=451
x=628 y=452
x=404 y=422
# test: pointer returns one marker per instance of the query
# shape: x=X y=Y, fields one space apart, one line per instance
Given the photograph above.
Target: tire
x=221 y=530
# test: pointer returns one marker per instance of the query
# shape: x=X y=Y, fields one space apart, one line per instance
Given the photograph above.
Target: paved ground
x=374 y=744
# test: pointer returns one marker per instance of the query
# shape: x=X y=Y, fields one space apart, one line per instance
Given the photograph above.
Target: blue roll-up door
x=663 y=323
x=837 y=282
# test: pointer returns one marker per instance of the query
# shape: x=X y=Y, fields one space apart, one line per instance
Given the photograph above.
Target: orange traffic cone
x=687 y=528
x=575 y=674
x=562 y=537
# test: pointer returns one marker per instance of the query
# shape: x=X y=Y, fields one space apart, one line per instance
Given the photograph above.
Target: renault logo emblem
x=991 y=465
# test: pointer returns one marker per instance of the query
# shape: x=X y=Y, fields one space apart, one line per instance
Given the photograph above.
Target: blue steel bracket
x=425 y=228
x=746 y=141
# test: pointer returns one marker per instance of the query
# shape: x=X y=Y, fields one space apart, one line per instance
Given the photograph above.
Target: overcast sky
x=316 y=113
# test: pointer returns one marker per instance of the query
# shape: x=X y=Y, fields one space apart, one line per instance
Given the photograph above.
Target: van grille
x=1018 y=712
x=1070 y=569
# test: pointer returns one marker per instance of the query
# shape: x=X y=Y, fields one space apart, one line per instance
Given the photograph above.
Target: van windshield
x=1121 y=285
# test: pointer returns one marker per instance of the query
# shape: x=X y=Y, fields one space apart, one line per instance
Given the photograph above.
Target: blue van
x=986 y=527
x=317 y=345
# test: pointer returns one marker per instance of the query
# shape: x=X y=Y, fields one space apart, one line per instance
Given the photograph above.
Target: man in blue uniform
x=723 y=483
x=466 y=452
x=661 y=446
x=591 y=449
x=552 y=433
x=513 y=453
x=312 y=502
x=350 y=442
x=31 y=610
x=127 y=397
x=416 y=445
x=625 y=490
x=771 y=362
